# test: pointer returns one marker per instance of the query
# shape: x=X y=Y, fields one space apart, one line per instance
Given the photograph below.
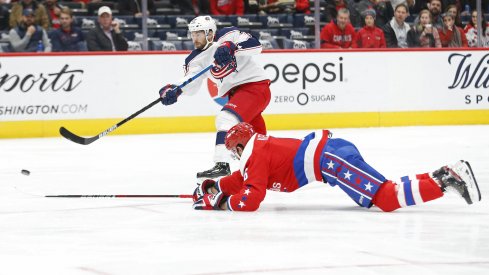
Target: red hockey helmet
x=239 y=134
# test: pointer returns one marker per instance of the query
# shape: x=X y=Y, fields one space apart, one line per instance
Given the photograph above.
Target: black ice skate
x=221 y=169
x=459 y=178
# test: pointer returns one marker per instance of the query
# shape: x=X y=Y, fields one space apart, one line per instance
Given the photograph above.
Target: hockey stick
x=85 y=141
x=118 y=196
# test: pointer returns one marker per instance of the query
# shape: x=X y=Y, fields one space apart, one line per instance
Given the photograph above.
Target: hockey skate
x=221 y=169
x=460 y=179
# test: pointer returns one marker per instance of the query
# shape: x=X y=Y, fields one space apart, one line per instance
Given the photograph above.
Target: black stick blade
x=77 y=139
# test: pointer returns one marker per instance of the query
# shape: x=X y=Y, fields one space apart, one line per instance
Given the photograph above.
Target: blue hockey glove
x=203 y=189
x=169 y=95
x=225 y=53
x=210 y=202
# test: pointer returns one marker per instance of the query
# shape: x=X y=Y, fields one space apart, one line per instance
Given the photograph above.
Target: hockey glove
x=210 y=202
x=169 y=94
x=203 y=189
x=225 y=53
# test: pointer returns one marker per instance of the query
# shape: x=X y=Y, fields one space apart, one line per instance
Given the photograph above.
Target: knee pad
x=225 y=120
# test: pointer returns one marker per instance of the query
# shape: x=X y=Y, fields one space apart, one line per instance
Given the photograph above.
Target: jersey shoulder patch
x=220 y=33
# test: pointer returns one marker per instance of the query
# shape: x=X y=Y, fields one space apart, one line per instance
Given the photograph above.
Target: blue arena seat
x=296 y=44
x=264 y=33
x=269 y=44
x=272 y=20
x=171 y=34
x=179 y=21
x=295 y=33
x=238 y=20
x=158 y=45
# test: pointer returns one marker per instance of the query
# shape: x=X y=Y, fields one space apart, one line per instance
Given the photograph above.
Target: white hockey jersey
x=247 y=69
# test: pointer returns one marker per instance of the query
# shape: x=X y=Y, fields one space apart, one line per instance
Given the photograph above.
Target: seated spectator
x=302 y=6
x=455 y=12
x=27 y=36
x=339 y=33
x=134 y=7
x=370 y=36
x=107 y=35
x=228 y=7
x=67 y=38
x=423 y=34
x=41 y=16
x=435 y=7
x=53 y=9
x=4 y=15
x=451 y=36
x=383 y=10
x=396 y=30
x=471 y=31
x=283 y=6
x=333 y=6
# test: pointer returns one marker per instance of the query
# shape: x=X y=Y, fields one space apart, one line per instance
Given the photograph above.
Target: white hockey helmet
x=203 y=23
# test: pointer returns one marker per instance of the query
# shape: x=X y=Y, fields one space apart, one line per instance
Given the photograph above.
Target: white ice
x=315 y=230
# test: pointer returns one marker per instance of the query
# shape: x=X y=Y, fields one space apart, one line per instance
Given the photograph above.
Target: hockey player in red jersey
x=237 y=75
x=286 y=164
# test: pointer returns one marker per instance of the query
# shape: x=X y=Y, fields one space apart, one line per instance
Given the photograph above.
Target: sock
x=408 y=192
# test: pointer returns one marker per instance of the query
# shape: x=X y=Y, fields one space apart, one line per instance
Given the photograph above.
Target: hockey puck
x=25 y=172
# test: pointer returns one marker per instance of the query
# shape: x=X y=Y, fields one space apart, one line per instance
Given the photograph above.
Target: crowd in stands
x=115 y=25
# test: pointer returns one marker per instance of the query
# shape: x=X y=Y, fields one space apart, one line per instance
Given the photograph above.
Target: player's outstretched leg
x=460 y=179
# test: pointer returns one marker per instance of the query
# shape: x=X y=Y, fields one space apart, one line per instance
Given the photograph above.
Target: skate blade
x=467 y=175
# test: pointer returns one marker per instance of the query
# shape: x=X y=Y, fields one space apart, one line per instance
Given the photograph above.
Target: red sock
x=391 y=196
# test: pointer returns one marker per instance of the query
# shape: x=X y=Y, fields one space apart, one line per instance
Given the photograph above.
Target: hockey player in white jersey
x=236 y=75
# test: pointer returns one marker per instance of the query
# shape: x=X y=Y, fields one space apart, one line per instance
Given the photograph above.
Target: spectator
x=186 y=6
x=370 y=36
x=471 y=31
x=302 y=6
x=383 y=10
x=423 y=34
x=67 y=38
x=40 y=14
x=27 y=36
x=226 y=7
x=333 y=6
x=396 y=30
x=435 y=8
x=408 y=3
x=284 y=6
x=455 y=12
x=53 y=9
x=451 y=36
x=134 y=7
x=339 y=33
x=107 y=35
x=4 y=15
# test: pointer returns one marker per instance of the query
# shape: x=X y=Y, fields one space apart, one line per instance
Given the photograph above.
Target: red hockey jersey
x=277 y=164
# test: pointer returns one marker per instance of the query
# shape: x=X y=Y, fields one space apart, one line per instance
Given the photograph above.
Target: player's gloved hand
x=225 y=53
x=169 y=95
x=210 y=202
x=203 y=189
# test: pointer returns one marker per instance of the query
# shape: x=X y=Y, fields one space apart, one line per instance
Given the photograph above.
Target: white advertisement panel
x=114 y=86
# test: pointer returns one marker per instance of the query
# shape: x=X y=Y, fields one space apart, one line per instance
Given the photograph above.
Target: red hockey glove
x=203 y=189
x=210 y=202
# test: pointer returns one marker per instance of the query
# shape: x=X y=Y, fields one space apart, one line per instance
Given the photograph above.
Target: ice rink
x=315 y=230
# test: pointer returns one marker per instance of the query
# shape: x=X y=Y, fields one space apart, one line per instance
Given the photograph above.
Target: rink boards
x=310 y=89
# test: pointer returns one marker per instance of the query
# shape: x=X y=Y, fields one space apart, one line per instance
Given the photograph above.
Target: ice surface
x=315 y=230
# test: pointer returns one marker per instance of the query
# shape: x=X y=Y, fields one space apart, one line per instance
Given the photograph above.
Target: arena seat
x=296 y=44
x=158 y=45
